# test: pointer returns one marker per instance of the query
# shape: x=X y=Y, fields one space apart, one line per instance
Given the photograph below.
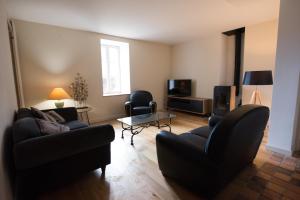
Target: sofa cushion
x=68 y=113
x=49 y=128
x=57 y=116
x=37 y=113
x=23 y=112
x=25 y=128
x=202 y=131
x=50 y=118
x=76 y=124
x=40 y=114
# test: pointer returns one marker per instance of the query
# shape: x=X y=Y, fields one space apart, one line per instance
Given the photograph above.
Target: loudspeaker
x=224 y=99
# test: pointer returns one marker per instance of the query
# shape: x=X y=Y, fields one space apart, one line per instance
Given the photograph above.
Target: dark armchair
x=206 y=158
x=140 y=102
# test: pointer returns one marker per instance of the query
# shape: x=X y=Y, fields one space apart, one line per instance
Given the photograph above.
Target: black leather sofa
x=140 y=102
x=46 y=161
x=206 y=158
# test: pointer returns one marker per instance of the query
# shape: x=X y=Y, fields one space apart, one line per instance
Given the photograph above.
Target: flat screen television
x=182 y=88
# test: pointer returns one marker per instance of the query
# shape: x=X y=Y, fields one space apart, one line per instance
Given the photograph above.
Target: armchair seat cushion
x=76 y=124
x=202 y=131
x=140 y=110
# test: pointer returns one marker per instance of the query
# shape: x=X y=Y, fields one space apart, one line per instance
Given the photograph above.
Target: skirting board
x=278 y=150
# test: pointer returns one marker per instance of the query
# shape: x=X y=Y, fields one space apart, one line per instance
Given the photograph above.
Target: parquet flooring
x=134 y=173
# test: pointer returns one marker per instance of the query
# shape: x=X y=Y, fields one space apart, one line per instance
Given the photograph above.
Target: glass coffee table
x=136 y=124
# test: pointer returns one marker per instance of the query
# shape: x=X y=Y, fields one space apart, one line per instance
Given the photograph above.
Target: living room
x=47 y=45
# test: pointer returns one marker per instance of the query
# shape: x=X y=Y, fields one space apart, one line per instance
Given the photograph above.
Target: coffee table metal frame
x=136 y=129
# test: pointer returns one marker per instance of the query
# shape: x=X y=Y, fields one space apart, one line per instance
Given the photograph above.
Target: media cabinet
x=194 y=105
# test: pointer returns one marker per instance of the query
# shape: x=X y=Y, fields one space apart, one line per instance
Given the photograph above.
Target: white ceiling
x=167 y=21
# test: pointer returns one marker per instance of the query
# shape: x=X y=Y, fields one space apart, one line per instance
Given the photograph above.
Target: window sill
x=109 y=95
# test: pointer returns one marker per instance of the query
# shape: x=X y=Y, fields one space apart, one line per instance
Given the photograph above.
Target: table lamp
x=58 y=94
x=257 y=78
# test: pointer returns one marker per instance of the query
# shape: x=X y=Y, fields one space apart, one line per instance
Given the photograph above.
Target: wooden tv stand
x=194 y=105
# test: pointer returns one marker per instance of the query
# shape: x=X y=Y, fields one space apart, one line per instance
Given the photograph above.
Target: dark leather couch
x=206 y=158
x=46 y=161
x=140 y=102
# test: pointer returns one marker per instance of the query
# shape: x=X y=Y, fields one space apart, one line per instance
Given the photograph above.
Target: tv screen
x=180 y=87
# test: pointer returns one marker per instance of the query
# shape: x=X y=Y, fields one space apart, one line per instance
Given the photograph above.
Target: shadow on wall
x=7 y=156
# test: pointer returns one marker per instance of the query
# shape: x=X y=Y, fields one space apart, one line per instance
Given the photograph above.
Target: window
x=115 y=67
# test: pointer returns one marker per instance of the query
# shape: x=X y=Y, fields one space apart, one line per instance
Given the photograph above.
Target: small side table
x=84 y=113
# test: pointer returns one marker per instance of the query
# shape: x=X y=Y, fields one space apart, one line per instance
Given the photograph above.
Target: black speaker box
x=224 y=100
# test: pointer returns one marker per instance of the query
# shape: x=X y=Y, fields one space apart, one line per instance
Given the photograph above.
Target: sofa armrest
x=68 y=113
x=128 y=107
x=178 y=147
x=153 y=106
x=41 y=150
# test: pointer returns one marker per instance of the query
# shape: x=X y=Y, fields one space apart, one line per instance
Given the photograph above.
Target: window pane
x=104 y=69
x=115 y=67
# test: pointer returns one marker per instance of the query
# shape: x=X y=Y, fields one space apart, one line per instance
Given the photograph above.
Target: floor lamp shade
x=257 y=78
x=58 y=94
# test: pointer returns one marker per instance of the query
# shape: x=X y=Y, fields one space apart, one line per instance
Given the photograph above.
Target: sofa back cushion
x=58 y=118
x=22 y=113
x=24 y=129
x=68 y=113
x=235 y=140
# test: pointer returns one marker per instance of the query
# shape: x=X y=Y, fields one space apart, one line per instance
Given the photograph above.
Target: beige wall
x=259 y=54
x=209 y=61
x=284 y=128
x=50 y=57
x=230 y=60
x=8 y=100
x=202 y=60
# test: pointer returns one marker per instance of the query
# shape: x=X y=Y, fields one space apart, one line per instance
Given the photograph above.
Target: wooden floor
x=134 y=173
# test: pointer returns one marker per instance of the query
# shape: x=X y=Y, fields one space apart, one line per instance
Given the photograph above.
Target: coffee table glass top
x=146 y=118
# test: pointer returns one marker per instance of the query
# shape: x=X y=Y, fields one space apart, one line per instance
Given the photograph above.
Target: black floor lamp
x=257 y=78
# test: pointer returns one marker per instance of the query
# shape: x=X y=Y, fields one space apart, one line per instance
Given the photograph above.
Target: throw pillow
x=37 y=113
x=57 y=117
x=50 y=117
x=49 y=128
x=42 y=115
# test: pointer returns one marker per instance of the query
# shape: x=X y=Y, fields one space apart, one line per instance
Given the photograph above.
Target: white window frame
x=124 y=67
